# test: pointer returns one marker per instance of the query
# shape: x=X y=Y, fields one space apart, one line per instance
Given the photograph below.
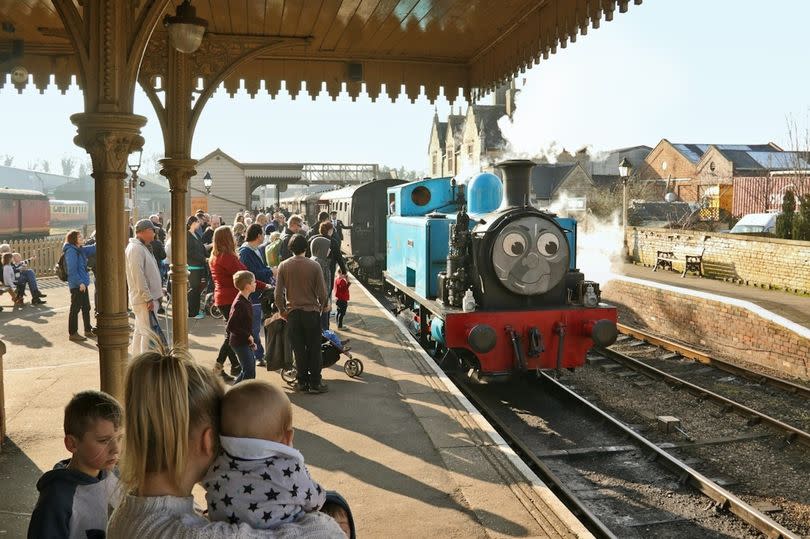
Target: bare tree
x=8 y=160
x=46 y=166
x=68 y=164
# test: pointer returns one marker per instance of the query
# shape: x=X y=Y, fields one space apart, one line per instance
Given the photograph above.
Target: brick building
x=705 y=173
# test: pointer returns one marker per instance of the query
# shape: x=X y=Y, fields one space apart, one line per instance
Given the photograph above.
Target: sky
x=704 y=71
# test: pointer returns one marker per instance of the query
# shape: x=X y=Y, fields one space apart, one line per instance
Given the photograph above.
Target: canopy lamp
x=186 y=30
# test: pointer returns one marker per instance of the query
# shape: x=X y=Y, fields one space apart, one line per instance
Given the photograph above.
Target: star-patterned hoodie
x=261 y=483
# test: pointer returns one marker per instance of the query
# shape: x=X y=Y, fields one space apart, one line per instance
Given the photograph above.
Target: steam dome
x=484 y=193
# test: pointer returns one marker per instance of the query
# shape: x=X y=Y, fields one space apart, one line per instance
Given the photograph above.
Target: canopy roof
x=472 y=45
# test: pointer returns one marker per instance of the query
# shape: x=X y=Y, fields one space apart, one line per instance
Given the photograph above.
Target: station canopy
x=388 y=46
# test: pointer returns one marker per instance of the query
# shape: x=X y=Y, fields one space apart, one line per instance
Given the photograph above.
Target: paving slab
x=397 y=442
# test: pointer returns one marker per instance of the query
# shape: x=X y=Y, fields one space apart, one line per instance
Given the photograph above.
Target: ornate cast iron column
x=179 y=171
x=109 y=138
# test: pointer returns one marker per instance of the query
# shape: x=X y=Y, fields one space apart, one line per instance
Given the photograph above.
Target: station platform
x=409 y=453
x=793 y=307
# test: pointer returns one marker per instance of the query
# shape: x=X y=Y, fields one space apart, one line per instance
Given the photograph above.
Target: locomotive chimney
x=516 y=173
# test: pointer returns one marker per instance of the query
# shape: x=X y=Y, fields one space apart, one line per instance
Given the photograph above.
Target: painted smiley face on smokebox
x=530 y=256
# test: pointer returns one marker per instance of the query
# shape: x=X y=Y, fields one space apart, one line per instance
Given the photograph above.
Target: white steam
x=600 y=247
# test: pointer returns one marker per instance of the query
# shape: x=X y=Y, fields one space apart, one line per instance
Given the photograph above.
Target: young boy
x=259 y=478
x=240 y=325
x=77 y=496
x=342 y=295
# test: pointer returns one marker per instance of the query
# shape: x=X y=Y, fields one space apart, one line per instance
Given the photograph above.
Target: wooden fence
x=47 y=252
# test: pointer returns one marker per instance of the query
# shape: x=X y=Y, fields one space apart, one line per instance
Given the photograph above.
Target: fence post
x=2 y=398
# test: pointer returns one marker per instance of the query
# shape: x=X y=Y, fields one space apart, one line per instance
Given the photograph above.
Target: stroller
x=331 y=346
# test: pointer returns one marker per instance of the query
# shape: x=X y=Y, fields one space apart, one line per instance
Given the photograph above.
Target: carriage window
x=420 y=196
x=392 y=203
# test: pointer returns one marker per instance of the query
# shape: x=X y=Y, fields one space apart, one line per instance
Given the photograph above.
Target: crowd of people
x=178 y=424
x=273 y=256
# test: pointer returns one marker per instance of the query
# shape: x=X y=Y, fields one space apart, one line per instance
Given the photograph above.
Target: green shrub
x=801 y=222
x=784 y=223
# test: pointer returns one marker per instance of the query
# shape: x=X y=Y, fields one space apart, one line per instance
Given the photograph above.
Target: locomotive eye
x=548 y=244
x=514 y=244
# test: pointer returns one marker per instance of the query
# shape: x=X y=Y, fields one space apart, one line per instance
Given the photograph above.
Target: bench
x=11 y=292
x=693 y=263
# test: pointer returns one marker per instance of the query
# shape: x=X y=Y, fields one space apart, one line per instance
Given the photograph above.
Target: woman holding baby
x=173 y=422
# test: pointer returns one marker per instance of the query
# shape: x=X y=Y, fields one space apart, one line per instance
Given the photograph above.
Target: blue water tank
x=484 y=193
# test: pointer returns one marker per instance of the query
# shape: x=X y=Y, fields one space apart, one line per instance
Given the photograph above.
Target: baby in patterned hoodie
x=258 y=478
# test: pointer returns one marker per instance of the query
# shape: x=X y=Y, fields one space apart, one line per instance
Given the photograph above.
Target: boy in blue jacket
x=78 y=495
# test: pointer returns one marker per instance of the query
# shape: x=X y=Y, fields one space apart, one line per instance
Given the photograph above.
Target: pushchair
x=331 y=347
x=331 y=350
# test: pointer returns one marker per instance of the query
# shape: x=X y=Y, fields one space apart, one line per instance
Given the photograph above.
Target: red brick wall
x=723 y=330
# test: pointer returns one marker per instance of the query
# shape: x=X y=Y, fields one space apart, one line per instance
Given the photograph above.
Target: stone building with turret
x=470 y=142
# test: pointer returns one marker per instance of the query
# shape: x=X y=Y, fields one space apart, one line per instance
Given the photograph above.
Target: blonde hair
x=239 y=228
x=256 y=409
x=166 y=396
x=274 y=236
x=243 y=278
x=223 y=242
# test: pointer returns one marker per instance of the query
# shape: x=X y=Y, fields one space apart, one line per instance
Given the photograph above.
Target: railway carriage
x=304 y=205
x=24 y=214
x=363 y=211
x=69 y=212
x=493 y=278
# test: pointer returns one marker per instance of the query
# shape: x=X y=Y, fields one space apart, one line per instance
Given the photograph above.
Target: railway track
x=792 y=432
x=594 y=461
x=685 y=351
x=622 y=484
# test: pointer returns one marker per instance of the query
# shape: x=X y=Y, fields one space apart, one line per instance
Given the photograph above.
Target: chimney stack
x=516 y=174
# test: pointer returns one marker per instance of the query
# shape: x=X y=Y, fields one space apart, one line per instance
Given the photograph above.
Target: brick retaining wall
x=726 y=328
x=767 y=262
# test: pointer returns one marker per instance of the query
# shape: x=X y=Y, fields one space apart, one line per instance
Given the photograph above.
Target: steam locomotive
x=494 y=279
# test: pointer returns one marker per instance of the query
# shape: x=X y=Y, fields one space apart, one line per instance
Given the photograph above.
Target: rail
x=721 y=496
x=558 y=486
x=753 y=415
x=696 y=355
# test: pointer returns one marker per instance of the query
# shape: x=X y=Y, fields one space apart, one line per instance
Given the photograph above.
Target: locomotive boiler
x=494 y=279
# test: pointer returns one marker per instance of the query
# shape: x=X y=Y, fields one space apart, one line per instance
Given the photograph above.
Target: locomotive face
x=530 y=255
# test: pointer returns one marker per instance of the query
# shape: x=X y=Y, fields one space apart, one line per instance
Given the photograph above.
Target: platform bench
x=693 y=263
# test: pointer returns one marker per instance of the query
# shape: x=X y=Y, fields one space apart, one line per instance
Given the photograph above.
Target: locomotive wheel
x=353 y=368
x=289 y=375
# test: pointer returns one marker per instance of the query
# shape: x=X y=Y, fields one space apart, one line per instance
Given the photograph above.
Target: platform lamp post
x=624 y=173
x=134 y=164
x=208 y=182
